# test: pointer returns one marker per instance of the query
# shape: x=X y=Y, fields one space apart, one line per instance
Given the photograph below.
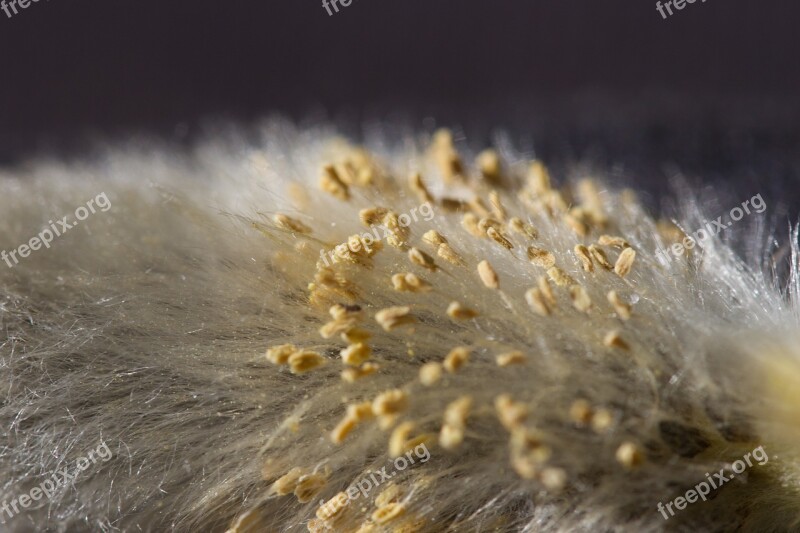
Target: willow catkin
x=241 y=375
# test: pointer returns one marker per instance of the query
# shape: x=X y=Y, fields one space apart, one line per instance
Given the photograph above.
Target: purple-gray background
x=712 y=91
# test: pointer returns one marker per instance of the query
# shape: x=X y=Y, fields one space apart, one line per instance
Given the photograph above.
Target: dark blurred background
x=712 y=90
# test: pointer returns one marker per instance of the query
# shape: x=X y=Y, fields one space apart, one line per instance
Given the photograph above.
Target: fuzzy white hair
x=485 y=335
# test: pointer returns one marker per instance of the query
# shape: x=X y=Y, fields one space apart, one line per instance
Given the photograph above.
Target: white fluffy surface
x=146 y=326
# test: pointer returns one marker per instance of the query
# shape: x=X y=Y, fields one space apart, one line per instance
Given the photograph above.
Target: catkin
x=625 y=262
x=488 y=275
